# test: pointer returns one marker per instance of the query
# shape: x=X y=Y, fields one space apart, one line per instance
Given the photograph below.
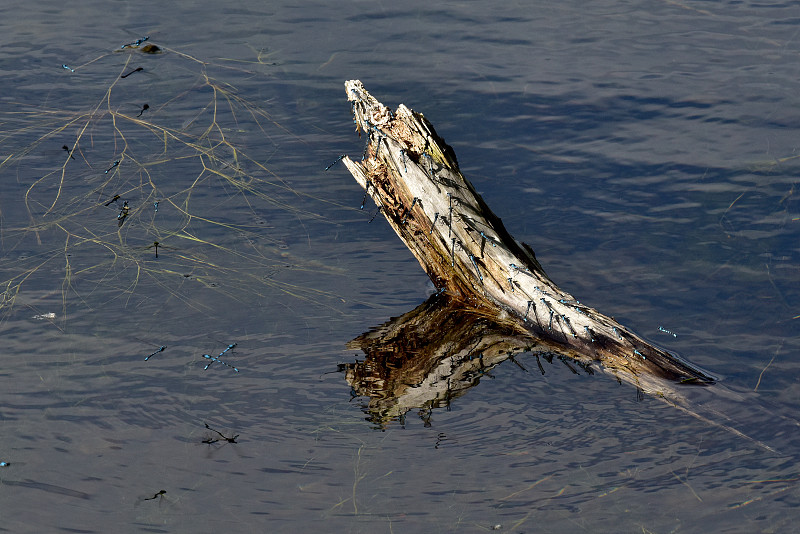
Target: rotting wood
x=413 y=176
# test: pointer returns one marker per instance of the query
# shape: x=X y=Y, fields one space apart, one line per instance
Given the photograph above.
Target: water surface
x=645 y=150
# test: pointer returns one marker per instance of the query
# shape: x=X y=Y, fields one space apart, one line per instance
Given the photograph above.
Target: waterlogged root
x=105 y=181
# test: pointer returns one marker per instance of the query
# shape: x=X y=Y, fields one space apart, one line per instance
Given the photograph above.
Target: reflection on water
x=433 y=354
x=428 y=357
x=646 y=151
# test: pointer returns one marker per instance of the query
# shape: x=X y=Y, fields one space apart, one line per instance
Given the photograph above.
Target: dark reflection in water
x=645 y=150
x=427 y=358
x=432 y=355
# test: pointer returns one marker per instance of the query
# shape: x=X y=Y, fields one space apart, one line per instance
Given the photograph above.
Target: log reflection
x=432 y=355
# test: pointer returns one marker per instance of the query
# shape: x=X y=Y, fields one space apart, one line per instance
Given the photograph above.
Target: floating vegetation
x=93 y=184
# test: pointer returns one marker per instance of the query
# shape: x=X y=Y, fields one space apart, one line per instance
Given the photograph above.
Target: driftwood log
x=413 y=176
x=494 y=300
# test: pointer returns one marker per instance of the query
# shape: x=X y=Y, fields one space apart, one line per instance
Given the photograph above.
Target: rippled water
x=644 y=149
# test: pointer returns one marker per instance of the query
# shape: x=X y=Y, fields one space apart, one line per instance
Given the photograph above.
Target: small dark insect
x=156 y=496
x=229 y=440
x=163 y=347
x=135 y=44
x=124 y=211
x=217 y=359
x=131 y=72
x=144 y=108
x=116 y=197
x=337 y=160
x=123 y=214
x=116 y=164
x=65 y=147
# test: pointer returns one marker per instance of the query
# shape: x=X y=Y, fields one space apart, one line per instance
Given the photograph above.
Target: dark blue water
x=645 y=150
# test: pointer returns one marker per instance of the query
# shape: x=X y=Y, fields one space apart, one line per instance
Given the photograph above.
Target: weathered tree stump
x=413 y=176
